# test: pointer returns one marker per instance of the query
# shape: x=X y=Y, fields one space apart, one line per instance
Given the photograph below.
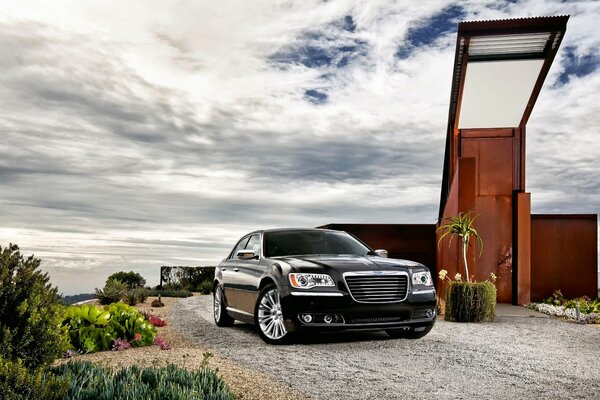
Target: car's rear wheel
x=219 y=308
x=408 y=334
x=268 y=316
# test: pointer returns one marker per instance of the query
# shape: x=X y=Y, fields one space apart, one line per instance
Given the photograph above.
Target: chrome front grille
x=377 y=286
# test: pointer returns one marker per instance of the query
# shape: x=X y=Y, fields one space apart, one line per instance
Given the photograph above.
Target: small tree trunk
x=464 y=248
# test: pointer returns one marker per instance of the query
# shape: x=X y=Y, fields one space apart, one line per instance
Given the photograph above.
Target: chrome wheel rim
x=270 y=316
x=217 y=303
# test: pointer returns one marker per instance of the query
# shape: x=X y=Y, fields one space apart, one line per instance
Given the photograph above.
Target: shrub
x=135 y=296
x=157 y=303
x=89 y=381
x=91 y=329
x=470 y=301
x=130 y=279
x=206 y=287
x=112 y=292
x=30 y=312
x=17 y=383
x=169 y=293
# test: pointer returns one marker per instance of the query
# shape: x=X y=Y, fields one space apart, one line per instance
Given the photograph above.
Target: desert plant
x=470 y=301
x=87 y=327
x=131 y=279
x=162 y=343
x=18 y=383
x=92 y=329
x=89 y=381
x=206 y=287
x=126 y=322
x=113 y=292
x=135 y=296
x=30 y=312
x=120 y=345
x=156 y=321
x=462 y=225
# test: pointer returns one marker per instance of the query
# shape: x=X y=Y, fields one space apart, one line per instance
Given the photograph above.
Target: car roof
x=290 y=230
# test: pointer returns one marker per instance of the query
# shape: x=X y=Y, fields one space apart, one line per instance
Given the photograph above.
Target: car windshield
x=288 y=243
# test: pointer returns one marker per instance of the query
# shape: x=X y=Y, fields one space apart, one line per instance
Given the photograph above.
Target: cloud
x=136 y=136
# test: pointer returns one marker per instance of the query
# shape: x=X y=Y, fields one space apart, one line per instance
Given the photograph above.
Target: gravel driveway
x=513 y=357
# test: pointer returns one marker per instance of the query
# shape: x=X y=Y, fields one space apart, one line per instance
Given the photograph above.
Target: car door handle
x=223 y=269
x=236 y=269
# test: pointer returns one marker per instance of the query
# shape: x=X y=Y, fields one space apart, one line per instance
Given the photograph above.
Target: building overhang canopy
x=499 y=70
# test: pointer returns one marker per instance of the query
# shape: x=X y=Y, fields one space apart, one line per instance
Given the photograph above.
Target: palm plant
x=461 y=225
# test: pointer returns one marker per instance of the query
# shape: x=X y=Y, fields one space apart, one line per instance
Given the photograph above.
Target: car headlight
x=422 y=278
x=307 y=281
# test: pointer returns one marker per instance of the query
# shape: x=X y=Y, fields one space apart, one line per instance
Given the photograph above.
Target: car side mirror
x=246 y=255
x=382 y=253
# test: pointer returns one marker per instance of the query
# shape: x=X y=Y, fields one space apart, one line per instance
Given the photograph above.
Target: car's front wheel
x=268 y=316
x=410 y=334
x=219 y=308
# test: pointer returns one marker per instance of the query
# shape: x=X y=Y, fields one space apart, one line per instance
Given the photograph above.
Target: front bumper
x=416 y=311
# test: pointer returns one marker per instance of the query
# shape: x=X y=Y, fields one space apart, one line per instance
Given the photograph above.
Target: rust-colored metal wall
x=486 y=177
x=407 y=241
x=564 y=255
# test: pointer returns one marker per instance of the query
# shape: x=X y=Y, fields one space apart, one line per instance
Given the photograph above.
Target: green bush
x=205 y=287
x=130 y=279
x=30 y=312
x=91 y=329
x=90 y=382
x=17 y=383
x=169 y=293
x=470 y=301
x=135 y=296
x=113 y=292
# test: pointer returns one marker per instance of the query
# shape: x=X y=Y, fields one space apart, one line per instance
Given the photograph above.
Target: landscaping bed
x=245 y=383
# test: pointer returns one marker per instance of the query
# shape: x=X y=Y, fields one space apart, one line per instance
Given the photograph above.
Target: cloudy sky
x=137 y=134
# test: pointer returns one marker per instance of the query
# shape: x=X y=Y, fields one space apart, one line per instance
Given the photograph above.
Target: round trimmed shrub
x=470 y=301
x=31 y=312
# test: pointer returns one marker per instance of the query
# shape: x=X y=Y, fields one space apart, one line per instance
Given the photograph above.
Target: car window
x=254 y=244
x=240 y=246
x=287 y=243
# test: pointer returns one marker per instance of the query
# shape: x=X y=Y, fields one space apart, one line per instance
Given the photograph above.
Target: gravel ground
x=513 y=357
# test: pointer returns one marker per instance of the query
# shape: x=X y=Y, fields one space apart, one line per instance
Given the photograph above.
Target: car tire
x=219 y=308
x=268 y=316
x=410 y=334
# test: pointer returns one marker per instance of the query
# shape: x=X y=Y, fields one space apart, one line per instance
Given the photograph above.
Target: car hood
x=347 y=263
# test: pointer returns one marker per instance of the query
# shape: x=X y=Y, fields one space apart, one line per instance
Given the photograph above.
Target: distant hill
x=76 y=298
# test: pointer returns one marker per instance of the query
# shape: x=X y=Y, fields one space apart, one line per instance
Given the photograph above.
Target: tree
x=462 y=225
x=31 y=312
x=131 y=279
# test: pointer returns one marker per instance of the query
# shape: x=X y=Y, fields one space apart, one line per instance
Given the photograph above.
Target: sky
x=145 y=133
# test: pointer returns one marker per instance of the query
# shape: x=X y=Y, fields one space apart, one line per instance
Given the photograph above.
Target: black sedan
x=300 y=280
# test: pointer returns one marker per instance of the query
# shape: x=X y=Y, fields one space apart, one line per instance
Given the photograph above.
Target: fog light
x=430 y=313
x=328 y=319
x=307 y=318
